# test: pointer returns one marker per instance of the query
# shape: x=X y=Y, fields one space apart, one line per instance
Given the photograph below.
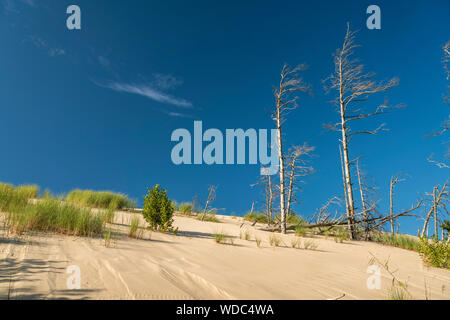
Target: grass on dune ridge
x=100 y=199
x=49 y=214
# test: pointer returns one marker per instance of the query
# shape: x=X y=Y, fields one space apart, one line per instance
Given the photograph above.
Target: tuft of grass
x=185 y=208
x=296 y=243
x=310 y=245
x=210 y=217
x=107 y=236
x=135 y=228
x=340 y=234
x=11 y=199
x=222 y=238
x=100 y=199
x=245 y=235
x=300 y=231
x=274 y=240
x=258 y=242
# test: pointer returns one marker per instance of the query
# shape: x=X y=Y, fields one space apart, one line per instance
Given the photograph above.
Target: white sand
x=192 y=266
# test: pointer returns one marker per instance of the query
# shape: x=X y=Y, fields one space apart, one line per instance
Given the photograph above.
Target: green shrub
x=158 y=209
x=100 y=199
x=435 y=253
x=185 y=208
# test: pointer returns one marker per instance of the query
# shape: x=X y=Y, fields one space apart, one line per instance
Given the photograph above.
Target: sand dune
x=192 y=266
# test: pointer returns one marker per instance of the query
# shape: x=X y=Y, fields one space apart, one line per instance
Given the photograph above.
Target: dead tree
x=439 y=199
x=286 y=101
x=368 y=201
x=296 y=168
x=446 y=124
x=270 y=195
x=393 y=182
x=211 y=197
x=353 y=87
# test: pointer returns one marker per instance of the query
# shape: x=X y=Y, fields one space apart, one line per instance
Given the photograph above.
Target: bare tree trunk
x=435 y=217
x=290 y=190
x=211 y=197
x=349 y=224
x=363 y=201
x=281 y=169
x=437 y=197
x=285 y=101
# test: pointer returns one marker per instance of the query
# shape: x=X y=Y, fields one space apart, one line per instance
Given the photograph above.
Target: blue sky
x=95 y=108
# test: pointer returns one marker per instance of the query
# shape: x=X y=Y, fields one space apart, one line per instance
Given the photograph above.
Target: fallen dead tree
x=342 y=220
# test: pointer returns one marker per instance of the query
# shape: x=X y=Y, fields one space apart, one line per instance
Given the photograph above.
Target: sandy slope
x=192 y=266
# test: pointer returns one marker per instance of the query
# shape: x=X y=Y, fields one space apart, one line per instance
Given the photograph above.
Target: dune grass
x=397 y=240
x=51 y=215
x=258 y=217
x=274 y=240
x=185 y=208
x=245 y=235
x=210 y=217
x=135 y=228
x=100 y=199
x=222 y=237
x=11 y=199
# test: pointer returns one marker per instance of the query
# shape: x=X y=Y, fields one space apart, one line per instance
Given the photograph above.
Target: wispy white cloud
x=166 y=81
x=12 y=6
x=178 y=114
x=147 y=91
x=38 y=42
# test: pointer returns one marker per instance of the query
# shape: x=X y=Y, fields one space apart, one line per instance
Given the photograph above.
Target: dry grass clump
x=245 y=235
x=274 y=240
x=310 y=245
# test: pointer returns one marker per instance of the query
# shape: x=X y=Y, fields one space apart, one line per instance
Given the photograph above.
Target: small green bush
x=435 y=253
x=158 y=209
x=185 y=208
